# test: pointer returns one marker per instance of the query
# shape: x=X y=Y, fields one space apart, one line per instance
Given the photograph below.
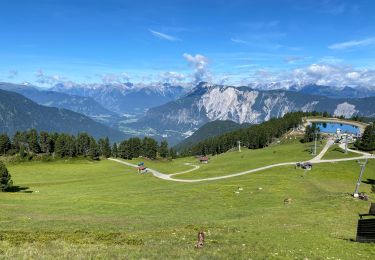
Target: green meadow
x=335 y=152
x=82 y=209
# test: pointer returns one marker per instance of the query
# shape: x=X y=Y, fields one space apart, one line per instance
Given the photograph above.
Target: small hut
x=306 y=166
x=142 y=169
x=203 y=159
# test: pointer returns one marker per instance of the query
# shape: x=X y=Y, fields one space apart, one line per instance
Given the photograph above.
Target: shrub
x=5 y=178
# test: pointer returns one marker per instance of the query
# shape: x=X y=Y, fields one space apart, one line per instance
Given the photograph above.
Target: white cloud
x=200 y=65
x=320 y=74
x=164 y=36
x=110 y=78
x=352 y=44
x=48 y=79
x=172 y=77
x=236 y=40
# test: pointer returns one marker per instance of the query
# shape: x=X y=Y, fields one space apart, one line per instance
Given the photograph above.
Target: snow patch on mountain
x=345 y=109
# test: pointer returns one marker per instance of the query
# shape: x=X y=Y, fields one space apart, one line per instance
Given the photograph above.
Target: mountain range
x=19 y=113
x=174 y=113
x=336 y=93
x=79 y=104
x=178 y=119
x=125 y=98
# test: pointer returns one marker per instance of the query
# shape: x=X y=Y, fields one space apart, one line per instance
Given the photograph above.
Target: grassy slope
x=233 y=162
x=335 y=152
x=105 y=210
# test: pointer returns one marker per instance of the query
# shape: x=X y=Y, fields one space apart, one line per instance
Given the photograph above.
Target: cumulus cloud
x=352 y=44
x=110 y=78
x=172 y=77
x=164 y=36
x=44 y=79
x=320 y=74
x=200 y=65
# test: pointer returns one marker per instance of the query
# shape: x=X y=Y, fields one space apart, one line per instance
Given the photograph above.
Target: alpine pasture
x=84 y=209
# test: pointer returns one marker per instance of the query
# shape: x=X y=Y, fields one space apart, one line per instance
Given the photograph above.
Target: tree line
x=146 y=147
x=30 y=143
x=253 y=137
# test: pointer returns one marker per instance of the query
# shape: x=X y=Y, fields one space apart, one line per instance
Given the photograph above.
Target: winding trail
x=316 y=159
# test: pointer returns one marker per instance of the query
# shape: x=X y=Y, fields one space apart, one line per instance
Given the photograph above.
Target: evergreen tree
x=19 y=139
x=106 y=148
x=163 y=149
x=310 y=131
x=149 y=148
x=61 y=145
x=124 y=150
x=5 y=178
x=172 y=153
x=83 y=144
x=71 y=146
x=135 y=147
x=94 y=149
x=33 y=141
x=114 y=150
x=22 y=152
x=5 y=144
x=46 y=142
x=367 y=141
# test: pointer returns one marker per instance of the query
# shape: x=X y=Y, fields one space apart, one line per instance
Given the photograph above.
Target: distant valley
x=164 y=111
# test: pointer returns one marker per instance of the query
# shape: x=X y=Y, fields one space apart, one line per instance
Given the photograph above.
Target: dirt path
x=316 y=159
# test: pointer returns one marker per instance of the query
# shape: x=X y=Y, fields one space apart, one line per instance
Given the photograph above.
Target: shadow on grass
x=19 y=189
x=338 y=150
x=369 y=181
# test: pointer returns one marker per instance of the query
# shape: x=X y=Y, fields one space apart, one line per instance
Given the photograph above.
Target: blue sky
x=237 y=42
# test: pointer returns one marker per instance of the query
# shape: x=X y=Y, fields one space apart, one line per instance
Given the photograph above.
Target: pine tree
x=5 y=178
x=172 y=153
x=149 y=148
x=20 y=139
x=124 y=150
x=106 y=148
x=46 y=143
x=22 y=152
x=94 y=149
x=135 y=147
x=114 y=150
x=61 y=145
x=163 y=149
x=33 y=141
x=83 y=144
x=5 y=144
x=367 y=142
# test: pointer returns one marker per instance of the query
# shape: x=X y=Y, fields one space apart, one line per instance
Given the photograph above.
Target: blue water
x=327 y=127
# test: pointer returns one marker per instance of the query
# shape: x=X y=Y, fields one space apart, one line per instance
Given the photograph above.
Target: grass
x=166 y=166
x=105 y=210
x=335 y=152
x=233 y=162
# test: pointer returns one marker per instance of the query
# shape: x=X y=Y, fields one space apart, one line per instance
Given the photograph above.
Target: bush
x=5 y=178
